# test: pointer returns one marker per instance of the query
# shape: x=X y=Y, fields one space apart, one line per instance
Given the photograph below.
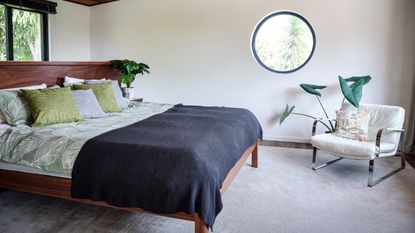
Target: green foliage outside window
x=27 y=39
x=2 y=33
x=295 y=49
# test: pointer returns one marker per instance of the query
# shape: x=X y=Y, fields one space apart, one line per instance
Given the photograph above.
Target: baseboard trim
x=297 y=145
x=410 y=158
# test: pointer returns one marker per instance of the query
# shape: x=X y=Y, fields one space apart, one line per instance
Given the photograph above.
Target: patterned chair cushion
x=352 y=125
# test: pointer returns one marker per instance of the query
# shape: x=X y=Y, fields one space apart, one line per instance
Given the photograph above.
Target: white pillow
x=87 y=104
x=69 y=81
x=34 y=87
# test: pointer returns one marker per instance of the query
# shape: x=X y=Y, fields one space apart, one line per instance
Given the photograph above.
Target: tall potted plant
x=129 y=69
x=352 y=93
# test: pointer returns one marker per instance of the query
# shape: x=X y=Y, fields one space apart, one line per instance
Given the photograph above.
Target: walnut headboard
x=17 y=74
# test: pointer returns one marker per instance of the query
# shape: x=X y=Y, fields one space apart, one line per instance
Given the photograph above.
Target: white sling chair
x=386 y=136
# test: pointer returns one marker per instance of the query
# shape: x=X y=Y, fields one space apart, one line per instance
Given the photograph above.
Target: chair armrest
x=379 y=136
x=316 y=121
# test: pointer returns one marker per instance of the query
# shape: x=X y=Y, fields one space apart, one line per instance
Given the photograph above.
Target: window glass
x=283 y=42
x=27 y=39
x=3 y=55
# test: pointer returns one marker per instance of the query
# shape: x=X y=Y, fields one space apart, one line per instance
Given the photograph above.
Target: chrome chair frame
x=370 y=181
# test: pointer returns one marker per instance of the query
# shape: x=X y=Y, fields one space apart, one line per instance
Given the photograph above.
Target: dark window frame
x=44 y=31
x=269 y=16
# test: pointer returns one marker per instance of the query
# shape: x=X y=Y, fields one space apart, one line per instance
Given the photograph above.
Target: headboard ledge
x=17 y=74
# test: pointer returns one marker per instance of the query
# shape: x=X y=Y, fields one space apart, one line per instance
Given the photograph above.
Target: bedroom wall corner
x=69 y=32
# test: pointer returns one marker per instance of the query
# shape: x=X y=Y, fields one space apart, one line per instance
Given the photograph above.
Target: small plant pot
x=128 y=92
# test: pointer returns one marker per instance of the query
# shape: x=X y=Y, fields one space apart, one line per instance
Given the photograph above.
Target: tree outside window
x=25 y=28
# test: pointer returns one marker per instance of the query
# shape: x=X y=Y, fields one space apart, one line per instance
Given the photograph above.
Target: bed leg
x=255 y=156
x=200 y=226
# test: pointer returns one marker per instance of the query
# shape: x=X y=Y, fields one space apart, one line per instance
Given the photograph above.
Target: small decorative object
x=351 y=93
x=129 y=69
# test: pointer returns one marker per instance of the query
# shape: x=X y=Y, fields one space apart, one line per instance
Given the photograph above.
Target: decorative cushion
x=14 y=108
x=52 y=106
x=347 y=148
x=104 y=94
x=381 y=116
x=87 y=104
x=352 y=125
x=122 y=102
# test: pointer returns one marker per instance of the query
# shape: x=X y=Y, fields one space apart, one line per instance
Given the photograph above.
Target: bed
x=57 y=183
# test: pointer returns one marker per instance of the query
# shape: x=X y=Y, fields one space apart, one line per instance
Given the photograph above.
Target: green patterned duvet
x=54 y=148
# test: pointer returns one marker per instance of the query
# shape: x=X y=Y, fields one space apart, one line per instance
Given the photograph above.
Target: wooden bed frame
x=16 y=74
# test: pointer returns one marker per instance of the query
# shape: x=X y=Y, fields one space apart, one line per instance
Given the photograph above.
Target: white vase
x=128 y=92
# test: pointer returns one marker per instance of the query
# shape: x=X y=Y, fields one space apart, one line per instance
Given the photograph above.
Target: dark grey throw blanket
x=172 y=162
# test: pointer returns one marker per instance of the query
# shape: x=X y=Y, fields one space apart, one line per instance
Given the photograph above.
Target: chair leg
x=370 y=175
x=322 y=165
x=326 y=164
x=314 y=154
x=371 y=182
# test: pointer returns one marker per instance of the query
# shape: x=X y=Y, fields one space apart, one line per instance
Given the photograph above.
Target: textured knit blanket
x=172 y=162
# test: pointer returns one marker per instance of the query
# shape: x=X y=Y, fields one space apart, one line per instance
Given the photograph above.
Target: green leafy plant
x=352 y=93
x=26 y=35
x=129 y=69
x=293 y=53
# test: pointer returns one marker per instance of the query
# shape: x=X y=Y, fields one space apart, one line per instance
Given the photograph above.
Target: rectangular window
x=3 y=55
x=23 y=34
x=27 y=35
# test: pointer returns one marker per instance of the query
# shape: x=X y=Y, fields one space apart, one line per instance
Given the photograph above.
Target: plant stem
x=325 y=113
x=301 y=114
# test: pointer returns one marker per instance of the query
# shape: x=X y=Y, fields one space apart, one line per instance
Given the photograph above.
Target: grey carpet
x=283 y=195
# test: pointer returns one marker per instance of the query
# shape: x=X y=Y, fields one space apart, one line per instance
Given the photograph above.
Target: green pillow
x=104 y=93
x=52 y=106
x=14 y=108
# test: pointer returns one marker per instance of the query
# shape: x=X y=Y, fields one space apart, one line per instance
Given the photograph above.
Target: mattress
x=54 y=148
x=26 y=169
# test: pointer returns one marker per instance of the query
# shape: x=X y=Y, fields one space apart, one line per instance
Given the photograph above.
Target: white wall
x=69 y=33
x=199 y=53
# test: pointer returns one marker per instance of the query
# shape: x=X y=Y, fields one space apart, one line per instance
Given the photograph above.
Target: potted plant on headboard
x=129 y=69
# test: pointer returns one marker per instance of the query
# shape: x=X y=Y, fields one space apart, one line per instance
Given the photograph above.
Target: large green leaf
x=366 y=79
x=358 y=92
x=288 y=110
x=311 y=89
x=353 y=95
x=129 y=69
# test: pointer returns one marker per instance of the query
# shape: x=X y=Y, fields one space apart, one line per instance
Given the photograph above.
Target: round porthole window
x=283 y=42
